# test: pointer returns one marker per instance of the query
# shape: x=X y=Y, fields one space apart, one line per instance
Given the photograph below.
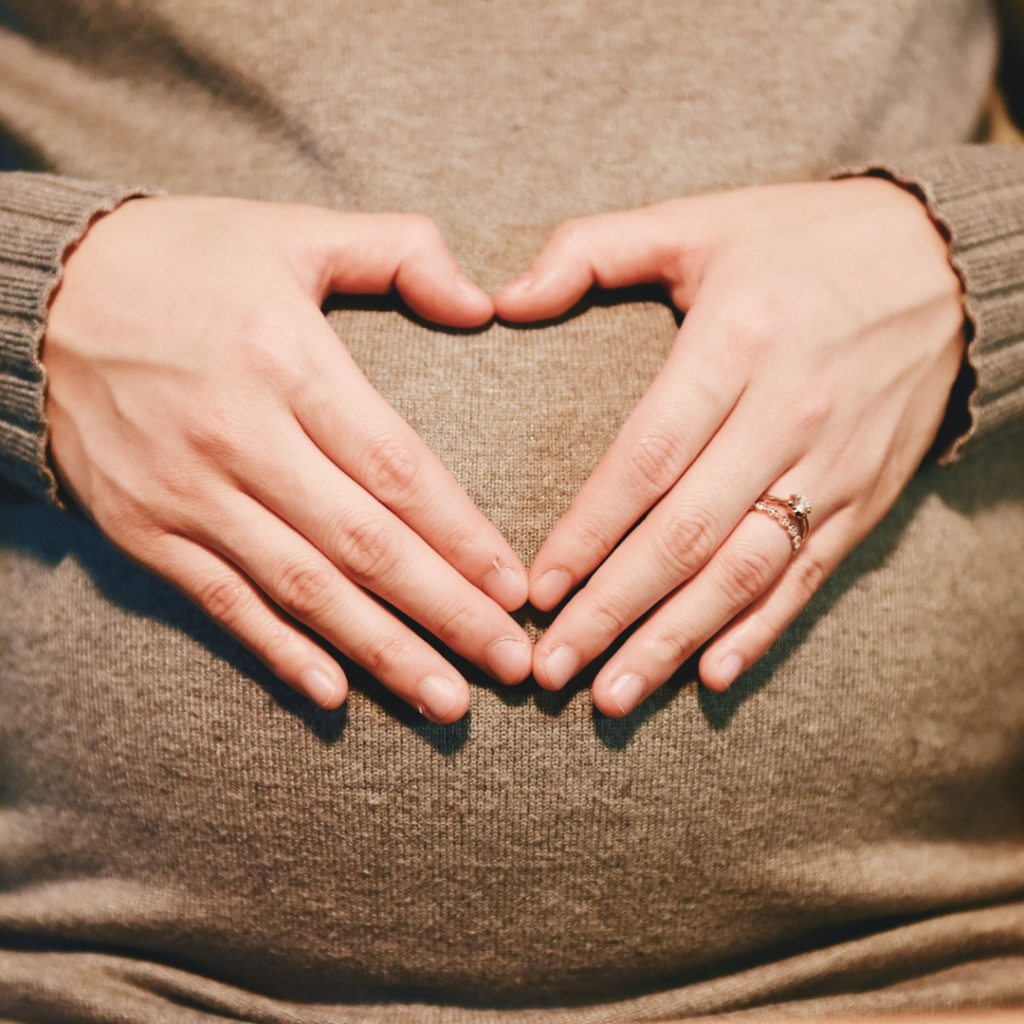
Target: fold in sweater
x=184 y=839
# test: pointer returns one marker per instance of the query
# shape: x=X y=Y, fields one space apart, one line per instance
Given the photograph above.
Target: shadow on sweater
x=51 y=536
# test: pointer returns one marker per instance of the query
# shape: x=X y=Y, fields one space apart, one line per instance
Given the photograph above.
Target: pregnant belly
x=163 y=795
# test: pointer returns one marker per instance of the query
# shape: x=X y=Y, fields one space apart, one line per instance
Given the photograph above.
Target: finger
x=301 y=581
x=687 y=402
x=670 y=546
x=741 y=570
x=611 y=250
x=231 y=600
x=369 y=254
x=376 y=550
x=746 y=640
x=367 y=438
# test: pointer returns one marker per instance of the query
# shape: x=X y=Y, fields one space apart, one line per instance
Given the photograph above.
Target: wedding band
x=791 y=514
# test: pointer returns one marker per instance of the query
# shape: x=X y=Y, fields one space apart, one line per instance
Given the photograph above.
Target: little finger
x=238 y=607
x=746 y=640
x=742 y=569
x=674 y=542
x=301 y=581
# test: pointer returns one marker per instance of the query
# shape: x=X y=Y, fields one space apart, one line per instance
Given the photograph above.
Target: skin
x=822 y=336
x=208 y=419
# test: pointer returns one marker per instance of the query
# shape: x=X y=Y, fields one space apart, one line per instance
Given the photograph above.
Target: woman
x=841 y=829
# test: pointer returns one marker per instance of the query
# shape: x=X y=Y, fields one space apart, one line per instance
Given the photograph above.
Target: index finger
x=687 y=402
x=349 y=420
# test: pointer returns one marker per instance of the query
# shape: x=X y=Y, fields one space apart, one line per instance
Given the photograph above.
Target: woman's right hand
x=208 y=419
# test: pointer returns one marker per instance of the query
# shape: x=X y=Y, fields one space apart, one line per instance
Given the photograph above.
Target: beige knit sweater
x=182 y=839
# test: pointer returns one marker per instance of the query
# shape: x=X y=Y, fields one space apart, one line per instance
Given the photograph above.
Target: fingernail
x=438 y=696
x=509 y=660
x=551 y=588
x=468 y=288
x=521 y=283
x=507 y=586
x=627 y=691
x=319 y=686
x=561 y=665
x=730 y=667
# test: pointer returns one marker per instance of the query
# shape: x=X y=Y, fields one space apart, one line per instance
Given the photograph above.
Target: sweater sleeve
x=975 y=194
x=41 y=217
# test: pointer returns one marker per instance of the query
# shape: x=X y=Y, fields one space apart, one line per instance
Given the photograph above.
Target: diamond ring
x=790 y=513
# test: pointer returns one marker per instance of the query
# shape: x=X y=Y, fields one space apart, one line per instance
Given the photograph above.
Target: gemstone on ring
x=791 y=514
x=799 y=505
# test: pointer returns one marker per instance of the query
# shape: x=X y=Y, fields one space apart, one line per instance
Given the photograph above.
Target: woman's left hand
x=823 y=333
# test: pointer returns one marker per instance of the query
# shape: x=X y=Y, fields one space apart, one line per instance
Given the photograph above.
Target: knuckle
x=753 y=325
x=225 y=599
x=273 y=641
x=459 y=544
x=121 y=518
x=274 y=356
x=219 y=434
x=608 y=614
x=385 y=655
x=670 y=645
x=454 y=623
x=590 y=532
x=809 y=412
x=655 y=460
x=748 y=573
x=303 y=589
x=368 y=550
x=391 y=467
x=809 y=573
x=687 y=539
x=569 y=234
x=421 y=229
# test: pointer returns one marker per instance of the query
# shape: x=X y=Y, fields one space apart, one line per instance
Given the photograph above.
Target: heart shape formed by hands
x=204 y=415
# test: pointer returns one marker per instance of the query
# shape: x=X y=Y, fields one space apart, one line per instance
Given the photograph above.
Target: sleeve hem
x=43 y=216
x=974 y=195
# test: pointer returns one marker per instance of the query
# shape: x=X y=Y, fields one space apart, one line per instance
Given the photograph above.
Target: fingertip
x=443 y=700
x=510 y=660
x=325 y=689
x=476 y=303
x=444 y=296
x=620 y=696
x=606 y=705
x=549 y=589
x=531 y=297
x=556 y=667
x=509 y=299
x=719 y=673
x=506 y=585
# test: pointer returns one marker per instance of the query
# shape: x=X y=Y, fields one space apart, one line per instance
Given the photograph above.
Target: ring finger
x=745 y=567
x=678 y=537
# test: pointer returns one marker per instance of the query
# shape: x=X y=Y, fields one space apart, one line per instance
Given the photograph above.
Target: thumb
x=369 y=254
x=611 y=250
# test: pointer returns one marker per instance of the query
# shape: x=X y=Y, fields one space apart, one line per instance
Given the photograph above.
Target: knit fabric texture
x=184 y=839
x=42 y=217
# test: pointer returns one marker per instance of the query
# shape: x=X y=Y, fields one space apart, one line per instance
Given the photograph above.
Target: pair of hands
x=211 y=423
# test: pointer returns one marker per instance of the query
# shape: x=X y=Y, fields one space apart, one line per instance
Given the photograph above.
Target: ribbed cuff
x=41 y=217
x=975 y=194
